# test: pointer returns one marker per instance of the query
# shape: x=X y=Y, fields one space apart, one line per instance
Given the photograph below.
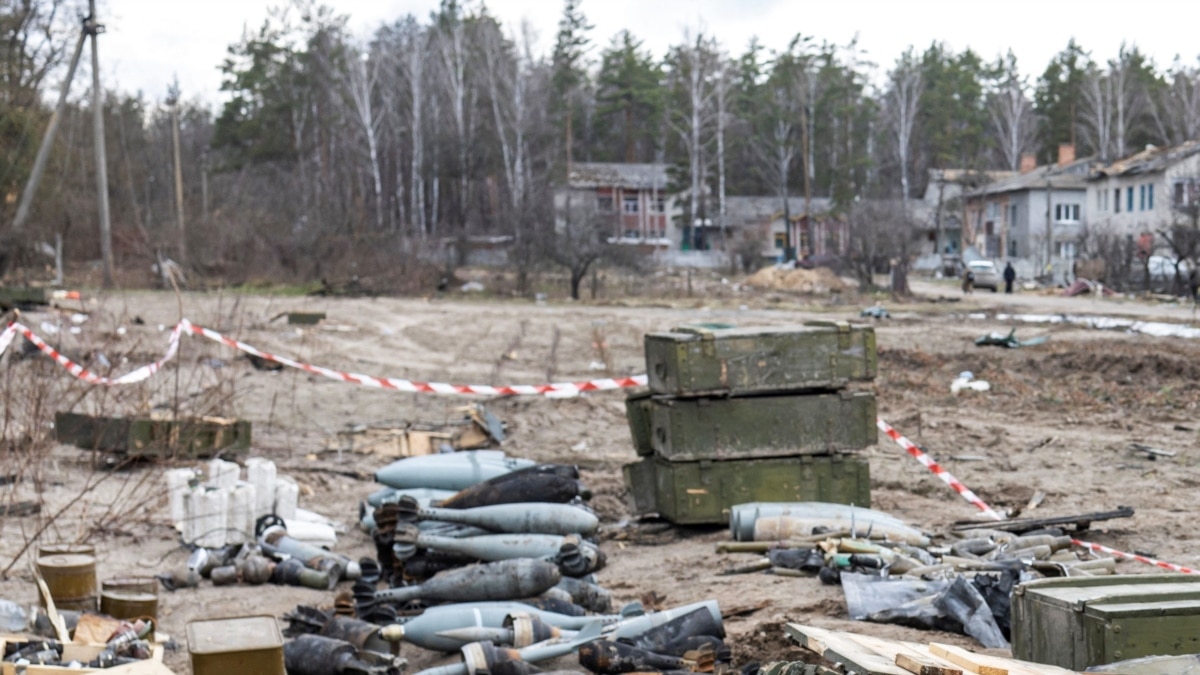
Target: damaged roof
x=616 y=175
x=1070 y=176
x=1151 y=160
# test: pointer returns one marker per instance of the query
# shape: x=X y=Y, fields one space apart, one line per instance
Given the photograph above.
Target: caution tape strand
x=1100 y=548
x=937 y=469
x=389 y=383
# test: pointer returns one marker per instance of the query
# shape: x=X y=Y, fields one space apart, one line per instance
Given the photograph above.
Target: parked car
x=986 y=275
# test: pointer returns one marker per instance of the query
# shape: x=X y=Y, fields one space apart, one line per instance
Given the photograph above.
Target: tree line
x=336 y=155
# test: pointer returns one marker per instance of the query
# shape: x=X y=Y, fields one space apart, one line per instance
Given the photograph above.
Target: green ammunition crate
x=637 y=410
x=23 y=296
x=145 y=437
x=1079 y=622
x=686 y=429
x=695 y=493
x=741 y=361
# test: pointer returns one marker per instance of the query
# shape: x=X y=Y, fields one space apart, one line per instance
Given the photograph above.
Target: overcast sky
x=149 y=42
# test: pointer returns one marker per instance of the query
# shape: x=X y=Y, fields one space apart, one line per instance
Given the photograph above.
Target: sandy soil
x=1091 y=392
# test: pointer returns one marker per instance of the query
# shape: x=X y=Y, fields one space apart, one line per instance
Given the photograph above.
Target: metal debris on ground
x=875 y=312
x=1009 y=341
x=889 y=572
x=477 y=428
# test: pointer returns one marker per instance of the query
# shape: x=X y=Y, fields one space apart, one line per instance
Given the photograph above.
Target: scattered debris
x=260 y=363
x=875 y=312
x=1082 y=286
x=478 y=428
x=1151 y=452
x=966 y=382
x=1009 y=341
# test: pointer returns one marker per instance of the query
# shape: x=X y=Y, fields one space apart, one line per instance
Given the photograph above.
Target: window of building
x=1179 y=198
x=1150 y=196
x=629 y=203
x=1129 y=198
x=1141 y=198
x=993 y=210
x=632 y=233
x=1012 y=248
x=1066 y=249
x=1066 y=213
x=1117 y=200
x=604 y=203
x=779 y=240
x=1012 y=215
x=1099 y=200
x=660 y=204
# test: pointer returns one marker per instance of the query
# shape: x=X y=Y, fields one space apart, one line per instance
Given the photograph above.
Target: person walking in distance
x=968 y=284
x=1010 y=275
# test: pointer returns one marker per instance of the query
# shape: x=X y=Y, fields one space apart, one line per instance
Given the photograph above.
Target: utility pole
x=173 y=101
x=39 y=164
x=92 y=28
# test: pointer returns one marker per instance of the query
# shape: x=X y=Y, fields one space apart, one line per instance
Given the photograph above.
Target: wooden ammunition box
x=702 y=492
x=146 y=437
x=1078 y=622
x=688 y=429
x=742 y=361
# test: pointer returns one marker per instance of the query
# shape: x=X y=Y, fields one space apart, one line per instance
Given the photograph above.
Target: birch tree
x=902 y=103
x=1013 y=121
x=693 y=65
x=362 y=80
x=1096 y=112
x=1176 y=108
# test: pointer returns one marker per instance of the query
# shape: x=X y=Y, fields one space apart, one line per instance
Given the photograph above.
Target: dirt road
x=1058 y=419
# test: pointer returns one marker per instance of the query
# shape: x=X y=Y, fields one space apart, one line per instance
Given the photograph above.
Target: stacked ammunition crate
x=748 y=415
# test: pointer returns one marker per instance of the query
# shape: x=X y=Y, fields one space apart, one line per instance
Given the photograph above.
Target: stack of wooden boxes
x=744 y=415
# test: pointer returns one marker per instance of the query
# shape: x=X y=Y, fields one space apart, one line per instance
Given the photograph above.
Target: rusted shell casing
x=71 y=578
x=125 y=604
x=606 y=656
x=361 y=634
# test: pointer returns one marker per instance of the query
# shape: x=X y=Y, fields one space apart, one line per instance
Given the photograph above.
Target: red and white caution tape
x=137 y=375
x=937 y=469
x=395 y=384
x=1098 y=548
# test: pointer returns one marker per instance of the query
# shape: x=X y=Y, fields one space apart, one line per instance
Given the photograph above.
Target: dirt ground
x=1091 y=393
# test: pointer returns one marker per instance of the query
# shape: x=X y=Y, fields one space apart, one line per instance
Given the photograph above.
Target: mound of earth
x=819 y=281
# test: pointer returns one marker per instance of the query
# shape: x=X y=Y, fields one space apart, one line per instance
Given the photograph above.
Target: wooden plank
x=915 y=663
x=912 y=657
x=839 y=648
x=984 y=664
